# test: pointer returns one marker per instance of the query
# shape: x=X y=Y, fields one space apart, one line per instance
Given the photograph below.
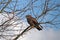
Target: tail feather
x=39 y=28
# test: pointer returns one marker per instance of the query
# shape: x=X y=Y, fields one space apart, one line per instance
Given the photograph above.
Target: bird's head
x=28 y=16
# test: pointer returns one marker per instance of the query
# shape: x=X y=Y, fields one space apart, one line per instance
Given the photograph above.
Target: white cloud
x=43 y=35
x=14 y=24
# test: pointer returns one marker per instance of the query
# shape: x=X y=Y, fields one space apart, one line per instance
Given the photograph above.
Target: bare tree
x=46 y=13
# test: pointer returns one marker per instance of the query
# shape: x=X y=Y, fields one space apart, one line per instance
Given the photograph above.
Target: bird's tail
x=38 y=27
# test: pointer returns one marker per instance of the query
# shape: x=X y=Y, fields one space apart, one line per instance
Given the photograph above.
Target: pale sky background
x=34 y=34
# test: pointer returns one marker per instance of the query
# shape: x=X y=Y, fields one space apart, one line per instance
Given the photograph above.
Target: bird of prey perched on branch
x=33 y=22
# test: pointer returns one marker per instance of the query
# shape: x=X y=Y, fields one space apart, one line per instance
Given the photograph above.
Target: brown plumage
x=33 y=22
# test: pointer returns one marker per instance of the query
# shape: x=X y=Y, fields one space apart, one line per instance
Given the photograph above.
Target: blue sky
x=36 y=11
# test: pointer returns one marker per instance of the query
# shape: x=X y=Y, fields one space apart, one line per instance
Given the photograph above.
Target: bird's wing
x=36 y=24
x=34 y=21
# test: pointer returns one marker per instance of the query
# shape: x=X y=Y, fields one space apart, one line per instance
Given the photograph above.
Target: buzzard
x=33 y=22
